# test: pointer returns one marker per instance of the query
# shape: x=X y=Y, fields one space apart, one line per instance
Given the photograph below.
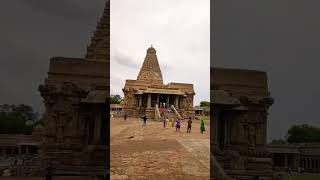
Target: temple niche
x=240 y=101
x=148 y=92
x=75 y=94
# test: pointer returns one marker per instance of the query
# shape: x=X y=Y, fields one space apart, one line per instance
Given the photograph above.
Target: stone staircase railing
x=157 y=115
x=176 y=112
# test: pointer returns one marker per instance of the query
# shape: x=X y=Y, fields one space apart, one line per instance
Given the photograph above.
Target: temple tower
x=150 y=70
x=100 y=43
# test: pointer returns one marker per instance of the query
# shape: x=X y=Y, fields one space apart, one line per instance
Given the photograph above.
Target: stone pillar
x=140 y=101
x=176 y=102
x=295 y=161
x=97 y=126
x=167 y=101
x=149 y=101
x=158 y=99
x=5 y=152
x=309 y=163
x=285 y=160
x=27 y=149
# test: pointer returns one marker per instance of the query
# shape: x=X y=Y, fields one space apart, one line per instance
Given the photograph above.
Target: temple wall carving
x=240 y=137
x=61 y=116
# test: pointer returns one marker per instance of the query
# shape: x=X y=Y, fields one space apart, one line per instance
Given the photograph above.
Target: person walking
x=164 y=121
x=178 y=125
x=144 y=120
x=172 y=122
x=202 y=128
x=125 y=115
x=189 y=125
x=167 y=122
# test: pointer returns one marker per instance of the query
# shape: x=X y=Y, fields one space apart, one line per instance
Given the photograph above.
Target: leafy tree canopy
x=303 y=134
x=115 y=99
x=204 y=104
x=17 y=119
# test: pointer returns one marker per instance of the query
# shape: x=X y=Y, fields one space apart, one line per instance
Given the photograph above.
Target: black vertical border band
x=106 y=160
x=212 y=16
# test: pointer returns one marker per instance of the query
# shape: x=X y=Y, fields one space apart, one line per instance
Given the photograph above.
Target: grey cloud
x=34 y=31
x=124 y=60
x=76 y=10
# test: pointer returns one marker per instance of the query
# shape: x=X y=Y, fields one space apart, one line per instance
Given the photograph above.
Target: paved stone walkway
x=200 y=148
x=153 y=152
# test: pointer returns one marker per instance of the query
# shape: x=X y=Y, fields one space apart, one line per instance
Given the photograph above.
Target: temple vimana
x=148 y=93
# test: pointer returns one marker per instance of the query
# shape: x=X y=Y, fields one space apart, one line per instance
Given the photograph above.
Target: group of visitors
x=171 y=123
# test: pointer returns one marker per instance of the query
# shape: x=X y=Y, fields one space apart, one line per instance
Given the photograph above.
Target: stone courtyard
x=155 y=152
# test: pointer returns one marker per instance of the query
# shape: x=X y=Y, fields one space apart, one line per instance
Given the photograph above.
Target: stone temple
x=75 y=95
x=148 y=92
x=240 y=101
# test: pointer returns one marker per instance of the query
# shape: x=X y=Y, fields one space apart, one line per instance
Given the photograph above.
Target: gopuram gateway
x=148 y=93
x=75 y=94
x=240 y=101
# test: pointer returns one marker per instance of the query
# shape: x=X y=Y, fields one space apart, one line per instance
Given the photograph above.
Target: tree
x=303 y=134
x=17 y=119
x=115 y=99
x=204 y=104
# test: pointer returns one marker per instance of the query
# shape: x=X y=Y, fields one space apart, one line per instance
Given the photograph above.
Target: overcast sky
x=281 y=37
x=31 y=32
x=178 y=29
x=278 y=36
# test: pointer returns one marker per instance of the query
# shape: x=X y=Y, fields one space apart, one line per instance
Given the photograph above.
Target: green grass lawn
x=305 y=177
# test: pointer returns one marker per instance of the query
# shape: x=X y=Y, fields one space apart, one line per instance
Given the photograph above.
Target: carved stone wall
x=71 y=83
x=61 y=116
x=244 y=124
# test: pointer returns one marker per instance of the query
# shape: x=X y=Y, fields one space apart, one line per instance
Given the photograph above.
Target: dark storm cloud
x=32 y=32
x=282 y=38
x=78 y=10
